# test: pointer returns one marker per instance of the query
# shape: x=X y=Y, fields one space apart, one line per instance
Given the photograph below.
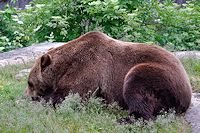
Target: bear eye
x=30 y=84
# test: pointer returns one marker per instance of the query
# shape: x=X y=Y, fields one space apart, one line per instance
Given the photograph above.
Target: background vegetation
x=175 y=27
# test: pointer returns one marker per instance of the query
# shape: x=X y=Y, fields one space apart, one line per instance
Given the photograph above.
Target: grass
x=192 y=67
x=75 y=116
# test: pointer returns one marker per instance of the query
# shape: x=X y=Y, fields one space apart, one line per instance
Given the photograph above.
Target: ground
x=21 y=115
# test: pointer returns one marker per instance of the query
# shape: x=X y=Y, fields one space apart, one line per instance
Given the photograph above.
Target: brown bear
x=141 y=78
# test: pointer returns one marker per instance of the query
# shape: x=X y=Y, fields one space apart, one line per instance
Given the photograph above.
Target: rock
x=22 y=73
x=187 y=54
x=23 y=55
x=26 y=54
x=193 y=113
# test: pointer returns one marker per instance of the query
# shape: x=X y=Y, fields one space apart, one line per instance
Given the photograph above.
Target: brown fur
x=142 y=78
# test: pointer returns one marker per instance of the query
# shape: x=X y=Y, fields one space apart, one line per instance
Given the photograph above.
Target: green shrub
x=175 y=27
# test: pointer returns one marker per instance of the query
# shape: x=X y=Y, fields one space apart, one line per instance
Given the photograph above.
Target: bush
x=175 y=27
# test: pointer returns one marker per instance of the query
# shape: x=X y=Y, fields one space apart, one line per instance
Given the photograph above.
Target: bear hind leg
x=140 y=104
x=141 y=85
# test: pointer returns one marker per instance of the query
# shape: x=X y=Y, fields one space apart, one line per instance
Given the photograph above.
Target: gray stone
x=188 y=54
x=193 y=113
x=23 y=55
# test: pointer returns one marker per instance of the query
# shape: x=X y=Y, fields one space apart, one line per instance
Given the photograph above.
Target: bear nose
x=35 y=98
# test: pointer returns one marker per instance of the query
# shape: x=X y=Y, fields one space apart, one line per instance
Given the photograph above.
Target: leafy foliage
x=175 y=27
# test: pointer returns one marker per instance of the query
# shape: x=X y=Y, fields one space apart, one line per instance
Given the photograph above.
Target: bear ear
x=45 y=60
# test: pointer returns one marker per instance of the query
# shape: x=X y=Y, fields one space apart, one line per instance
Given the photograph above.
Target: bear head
x=37 y=86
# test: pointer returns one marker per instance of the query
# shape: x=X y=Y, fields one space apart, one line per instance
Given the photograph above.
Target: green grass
x=192 y=67
x=74 y=116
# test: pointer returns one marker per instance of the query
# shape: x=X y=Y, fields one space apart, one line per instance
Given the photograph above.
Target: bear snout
x=36 y=98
